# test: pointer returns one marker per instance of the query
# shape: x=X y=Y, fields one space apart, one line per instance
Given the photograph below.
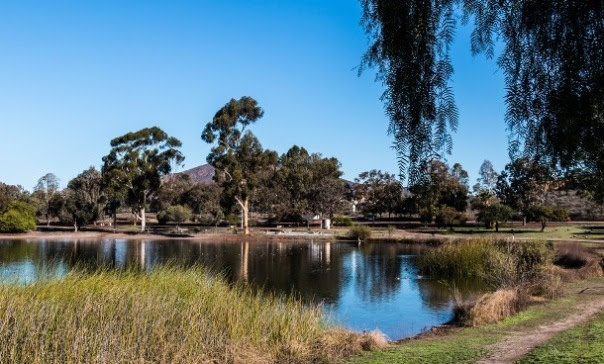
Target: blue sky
x=75 y=74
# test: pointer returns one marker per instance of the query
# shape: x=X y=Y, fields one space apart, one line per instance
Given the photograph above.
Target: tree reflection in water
x=366 y=286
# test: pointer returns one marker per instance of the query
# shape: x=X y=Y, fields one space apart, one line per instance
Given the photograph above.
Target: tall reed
x=168 y=315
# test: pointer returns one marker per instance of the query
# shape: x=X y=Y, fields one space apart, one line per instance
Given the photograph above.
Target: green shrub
x=19 y=217
x=359 y=232
x=342 y=220
x=177 y=214
x=448 y=217
x=233 y=220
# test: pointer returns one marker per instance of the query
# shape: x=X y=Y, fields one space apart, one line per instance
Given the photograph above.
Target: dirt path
x=514 y=348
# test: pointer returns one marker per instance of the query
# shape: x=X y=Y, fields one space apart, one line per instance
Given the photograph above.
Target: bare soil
x=521 y=343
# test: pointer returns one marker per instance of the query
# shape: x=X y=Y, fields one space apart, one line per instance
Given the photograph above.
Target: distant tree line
x=294 y=187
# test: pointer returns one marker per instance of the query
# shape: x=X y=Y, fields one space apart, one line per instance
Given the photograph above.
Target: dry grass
x=166 y=316
x=492 y=307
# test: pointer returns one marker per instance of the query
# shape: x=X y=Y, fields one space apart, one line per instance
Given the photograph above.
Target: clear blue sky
x=75 y=74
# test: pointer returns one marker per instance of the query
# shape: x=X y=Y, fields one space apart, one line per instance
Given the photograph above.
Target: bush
x=18 y=218
x=177 y=214
x=233 y=220
x=359 y=232
x=448 y=217
x=342 y=220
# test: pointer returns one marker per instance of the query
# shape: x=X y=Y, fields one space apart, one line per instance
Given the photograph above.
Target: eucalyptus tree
x=45 y=191
x=438 y=187
x=380 y=192
x=84 y=197
x=551 y=58
x=237 y=155
x=486 y=185
x=10 y=193
x=522 y=185
x=137 y=161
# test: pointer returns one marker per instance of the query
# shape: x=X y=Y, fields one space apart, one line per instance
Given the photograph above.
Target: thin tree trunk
x=75 y=227
x=143 y=220
x=246 y=223
x=524 y=220
x=496 y=226
x=543 y=226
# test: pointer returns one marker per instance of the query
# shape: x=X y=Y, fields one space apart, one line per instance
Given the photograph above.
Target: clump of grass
x=359 y=232
x=501 y=264
x=576 y=261
x=491 y=307
x=573 y=255
x=168 y=315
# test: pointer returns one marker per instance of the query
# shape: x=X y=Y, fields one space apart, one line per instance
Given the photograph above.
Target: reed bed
x=168 y=315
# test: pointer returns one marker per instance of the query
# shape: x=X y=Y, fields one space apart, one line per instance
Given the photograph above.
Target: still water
x=361 y=287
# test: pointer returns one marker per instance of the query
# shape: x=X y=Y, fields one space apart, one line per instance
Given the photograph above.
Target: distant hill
x=205 y=174
x=199 y=174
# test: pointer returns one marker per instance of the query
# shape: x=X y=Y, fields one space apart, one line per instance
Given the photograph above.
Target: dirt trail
x=521 y=343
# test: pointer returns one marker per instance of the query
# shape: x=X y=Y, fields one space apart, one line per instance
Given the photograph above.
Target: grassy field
x=582 y=344
x=468 y=345
x=168 y=315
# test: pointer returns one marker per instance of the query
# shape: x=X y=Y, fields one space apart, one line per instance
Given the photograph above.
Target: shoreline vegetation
x=172 y=309
x=167 y=315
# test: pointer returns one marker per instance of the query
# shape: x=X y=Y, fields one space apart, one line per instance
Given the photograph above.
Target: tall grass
x=515 y=271
x=502 y=264
x=168 y=315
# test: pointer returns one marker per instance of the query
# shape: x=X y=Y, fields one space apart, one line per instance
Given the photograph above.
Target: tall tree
x=380 y=192
x=46 y=189
x=439 y=187
x=10 y=193
x=552 y=61
x=237 y=155
x=522 y=185
x=84 y=197
x=486 y=184
x=137 y=161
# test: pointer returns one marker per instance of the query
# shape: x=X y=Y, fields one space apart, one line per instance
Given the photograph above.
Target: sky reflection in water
x=361 y=287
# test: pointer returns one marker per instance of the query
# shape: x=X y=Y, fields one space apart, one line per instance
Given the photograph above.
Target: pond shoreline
x=212 y=237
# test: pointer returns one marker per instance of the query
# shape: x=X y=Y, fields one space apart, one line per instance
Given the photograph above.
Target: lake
x=361 y=287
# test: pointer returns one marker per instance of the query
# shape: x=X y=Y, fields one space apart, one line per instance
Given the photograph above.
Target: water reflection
x=362 y=287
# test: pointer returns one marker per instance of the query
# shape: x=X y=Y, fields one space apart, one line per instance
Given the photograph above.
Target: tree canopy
x=239 y=159
x=137 y=161
x=552 y=61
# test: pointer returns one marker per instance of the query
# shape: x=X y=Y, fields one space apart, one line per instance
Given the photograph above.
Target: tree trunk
x=543 y=226
x=246 y=223
x=75 y=227
x=143 y=220
x=244 y=205
x=496 y=226
x=524 y=220
x=47 y=220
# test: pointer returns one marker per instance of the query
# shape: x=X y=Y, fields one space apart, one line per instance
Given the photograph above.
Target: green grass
x=168 y=315
x=530 y=232
x=582 y=344
x=469 y=345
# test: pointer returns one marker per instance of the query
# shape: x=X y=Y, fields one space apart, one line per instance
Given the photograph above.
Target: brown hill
x=199 y=174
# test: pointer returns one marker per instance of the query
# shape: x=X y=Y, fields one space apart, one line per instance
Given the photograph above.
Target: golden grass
x=168 y=315
x=492 y=307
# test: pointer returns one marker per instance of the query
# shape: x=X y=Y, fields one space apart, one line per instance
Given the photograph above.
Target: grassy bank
x=169 y=315
x=470 y=344
x=582 y=344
